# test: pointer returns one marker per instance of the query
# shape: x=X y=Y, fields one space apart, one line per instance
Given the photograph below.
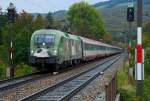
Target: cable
x=39 y=6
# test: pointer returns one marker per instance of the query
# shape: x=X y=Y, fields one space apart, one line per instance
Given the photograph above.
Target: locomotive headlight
x=32 y=51
x=55 y=52
x=43 y=44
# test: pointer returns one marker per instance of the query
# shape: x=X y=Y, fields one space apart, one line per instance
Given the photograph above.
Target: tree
x=85 y=20
x=146 y=35
x=39 y=22
x=50 y=20
x=108 y=37
x=22 y=29
x=3 y=21
x=146 y=45
x=147 y=27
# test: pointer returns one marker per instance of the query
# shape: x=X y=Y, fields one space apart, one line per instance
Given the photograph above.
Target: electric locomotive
x=55 y=48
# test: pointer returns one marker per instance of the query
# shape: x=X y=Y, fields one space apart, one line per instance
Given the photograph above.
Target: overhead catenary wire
x=35 y=5
x=39 y=6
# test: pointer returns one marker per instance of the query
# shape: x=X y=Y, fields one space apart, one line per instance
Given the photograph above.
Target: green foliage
x=122 y=77
x=52 y=22
x=3 y=54
x=126 y=88
x=146 y=42
x=147 y=27
x=85 y=20
x=147 y=88
x=22 y=30
x=23 y=69
x=50 y=19
x=3 y=61
x=147 y=62
x=38 y=23
x=3 y=21
x=146 y=37
x=2 y=70
x=126 y=95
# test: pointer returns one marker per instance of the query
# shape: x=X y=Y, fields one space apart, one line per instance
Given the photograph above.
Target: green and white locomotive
x=58 y=49
x=55 y=48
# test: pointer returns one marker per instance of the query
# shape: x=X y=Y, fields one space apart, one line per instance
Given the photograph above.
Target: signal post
x=130 y=19
x=11 y=18
x=139 y=51
x=139 y=69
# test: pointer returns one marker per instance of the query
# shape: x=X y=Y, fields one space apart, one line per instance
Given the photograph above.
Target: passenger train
x=59 y=49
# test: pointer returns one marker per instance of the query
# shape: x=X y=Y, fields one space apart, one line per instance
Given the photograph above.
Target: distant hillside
x=115 y=18
x=114 y=3
x=109 y=4
x=114 y=15
x=60 y=14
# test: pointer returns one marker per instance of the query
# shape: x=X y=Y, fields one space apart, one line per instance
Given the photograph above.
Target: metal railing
x=111 y=89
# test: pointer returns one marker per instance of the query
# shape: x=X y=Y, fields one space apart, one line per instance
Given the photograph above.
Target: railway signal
x=130 y=19
x=11 y=18
x=11 y=12
x=130 y=14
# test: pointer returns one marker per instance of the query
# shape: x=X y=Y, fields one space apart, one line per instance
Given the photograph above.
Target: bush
x=2 y=71
x=126 y=95
x=147 y=61
x=147 y=88
x=126 y=88
x=22 y=69
x=3 y=54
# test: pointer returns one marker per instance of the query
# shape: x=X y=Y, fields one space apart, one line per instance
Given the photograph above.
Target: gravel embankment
x=97 y=87
x=32 y=87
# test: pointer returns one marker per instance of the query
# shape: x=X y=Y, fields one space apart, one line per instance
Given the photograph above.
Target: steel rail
x=16 y=78
x=15 y=82
x=49 y=90
x=12 y=83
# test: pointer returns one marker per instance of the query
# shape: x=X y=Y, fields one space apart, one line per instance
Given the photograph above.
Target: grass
x=20 y=69
x=147 y=88
x=147 y=79
x=23 y=69
x=2 y=71
x=3 y=59
x=126 y=85
x=147 y=75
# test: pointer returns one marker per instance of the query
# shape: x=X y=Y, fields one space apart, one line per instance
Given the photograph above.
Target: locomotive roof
x=46 y=31
x=60 y=33
x=70 y=36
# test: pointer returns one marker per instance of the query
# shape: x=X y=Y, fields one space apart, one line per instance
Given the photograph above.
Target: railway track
x=12 y=83
x=66 y=89
x=15 y=82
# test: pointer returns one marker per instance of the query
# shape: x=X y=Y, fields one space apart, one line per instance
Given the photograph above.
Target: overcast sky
x=42 y=6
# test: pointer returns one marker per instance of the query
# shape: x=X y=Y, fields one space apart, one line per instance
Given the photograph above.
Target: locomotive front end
x=42 y=48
